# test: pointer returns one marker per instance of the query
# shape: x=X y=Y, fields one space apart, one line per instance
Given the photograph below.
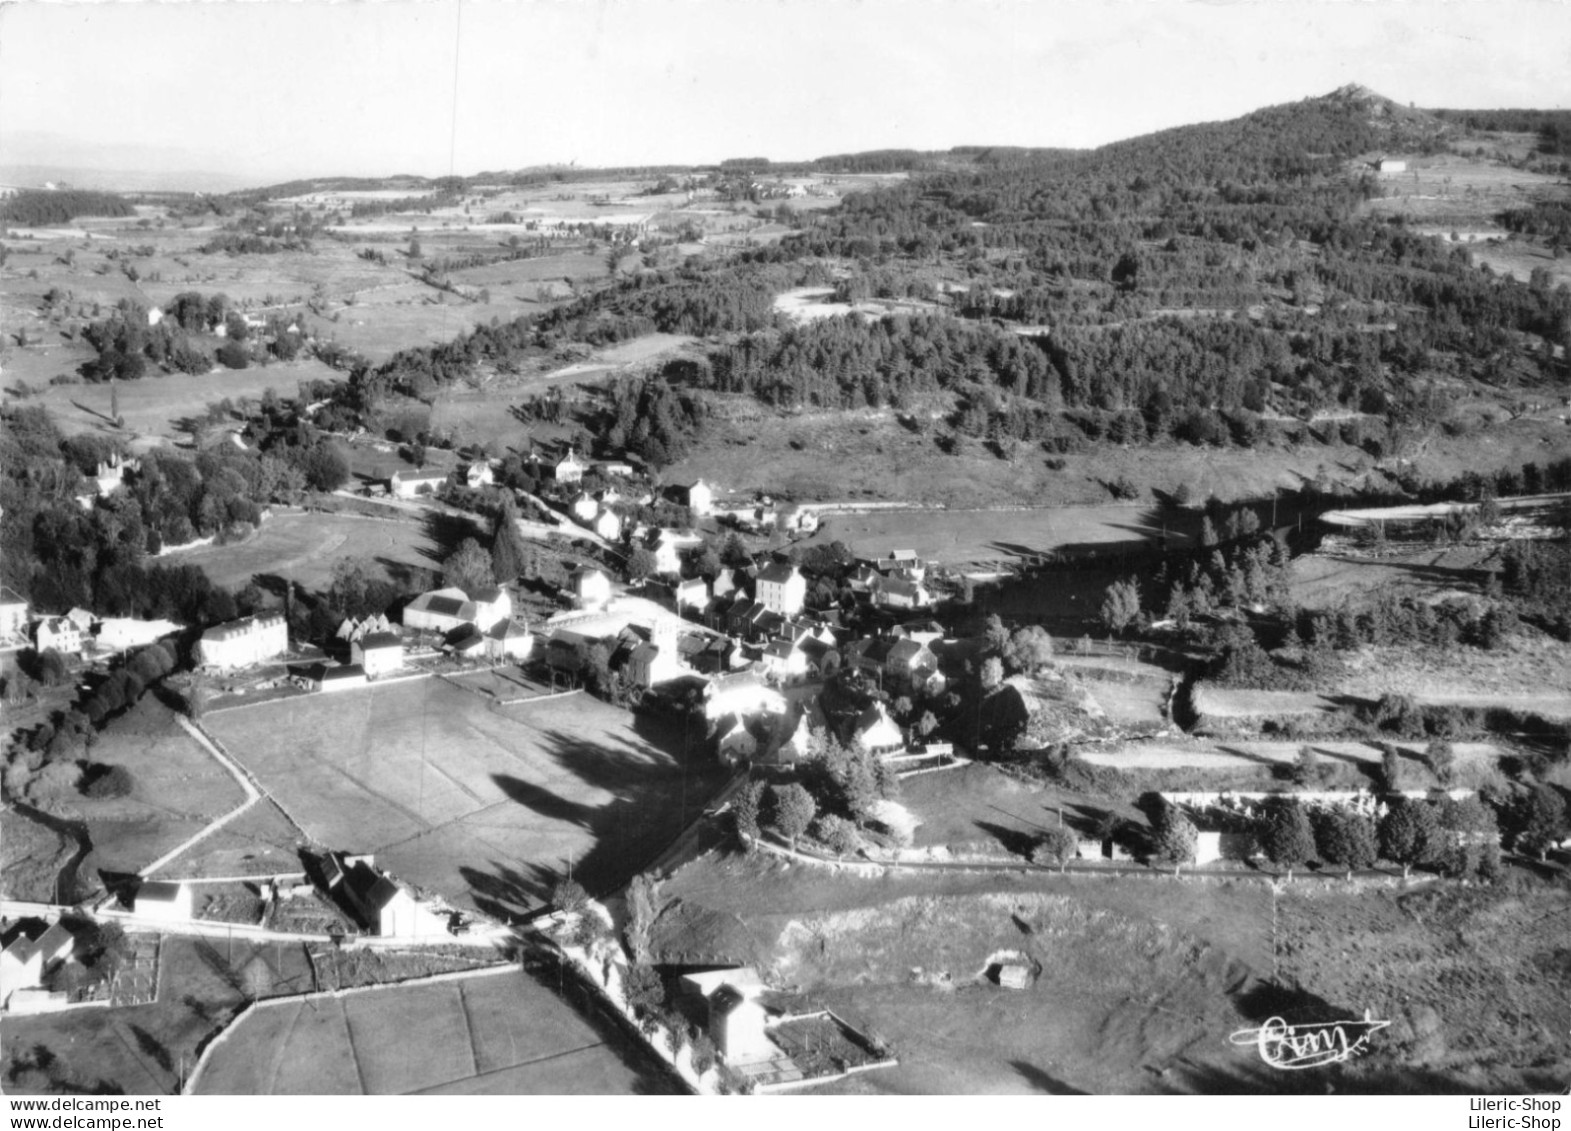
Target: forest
x=61 y=206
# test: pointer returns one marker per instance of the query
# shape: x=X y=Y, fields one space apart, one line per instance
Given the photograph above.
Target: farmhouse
x=30 y=951
x=378 y=903
x=413 y=484
x=782 y=588
x=698 y=497
x=508 y=640
x=13 y=613
x=478 y=474
x=440 y=610
x=729 y=1010
x=570 y=469
x=241 y=643
x=901 y=593
x=378 y=653
x=592 y=588
x=162 y=901
x=877 y=733
x=116 y=634
x=742 y=694
x=492 y=604
x=607 y=524
x=58 y=634
x=343 y=677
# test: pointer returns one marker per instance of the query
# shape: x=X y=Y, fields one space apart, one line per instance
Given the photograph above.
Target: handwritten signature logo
x=1293 y=1047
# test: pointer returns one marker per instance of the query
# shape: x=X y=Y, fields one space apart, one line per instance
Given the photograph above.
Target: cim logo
x=1293 y=1047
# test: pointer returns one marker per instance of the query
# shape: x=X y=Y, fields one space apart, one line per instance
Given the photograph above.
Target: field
x=495 y=1034
x=958 y=537
x=1324 y=581
x=978 y=809
x=147 y=1049
x=178 y=789
x=156 y=407
x=485 y=807
x=305 y=546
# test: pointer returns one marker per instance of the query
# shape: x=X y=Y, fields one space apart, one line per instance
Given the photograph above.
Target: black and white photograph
x=960 y=548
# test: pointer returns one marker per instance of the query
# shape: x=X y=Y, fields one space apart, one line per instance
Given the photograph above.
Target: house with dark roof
x=378 y=903
x=378 y=653
x=31 y=949
x=781 y=588
x=509 y=640
x=440 y=610
x=413 y=484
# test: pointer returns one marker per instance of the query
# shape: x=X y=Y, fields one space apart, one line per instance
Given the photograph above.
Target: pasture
x=304 y=546
x=487 y=807
x=960 y=537
x=157 y=407
x=491 y=1034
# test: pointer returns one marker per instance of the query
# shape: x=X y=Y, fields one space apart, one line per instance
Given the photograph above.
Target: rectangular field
x=485 y=806
x=497 y=1034
x=305 y=546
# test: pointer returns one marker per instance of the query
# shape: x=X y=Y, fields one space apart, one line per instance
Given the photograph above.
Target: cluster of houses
x=78 y=632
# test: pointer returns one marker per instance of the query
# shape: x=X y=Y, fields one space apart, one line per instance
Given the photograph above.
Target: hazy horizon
x=261 y=92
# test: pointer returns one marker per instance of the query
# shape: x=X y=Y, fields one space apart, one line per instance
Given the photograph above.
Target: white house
x=343 y=677
x=440 y=610
x=479 y=474
x=1388 y=165
x=608 y=525
x=742 y=694
x=508 y=640
x=382 y=905
x=412 y=484
x=584 y=508
x=377 y=653
x=902 y=593
x=30 y=955
x=492 y=604
x=116 y=634
x=570 y=469
x=59 y=634
x=592 y=588
x=692 y=594
x=240 y=643
x=735 y=1019
x=782 y=588
x=877 y=733
x=13 y=613
x=700 y=498
x=162 y=901
x=668 y=546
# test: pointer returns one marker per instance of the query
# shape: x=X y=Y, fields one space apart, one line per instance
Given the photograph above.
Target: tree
x=642 y=563
x=992 y=673
x=794 y=810
x=1541 y=820
x=325 y=468
x=1406 y=833
x=733 y=553
x=1173 y=839
x=1306 y=769
x=569 y=896
x=1121 y=605
x=996 y=634
x=1285 y=835
x=745 y=812
x=1030 y=649
x=1468 y=842
x=1057 y=847
x=510 y=554
x=1440 y=757
x=1391 y=769
x=468 y=568
x=1345 y=837
x=837 y=834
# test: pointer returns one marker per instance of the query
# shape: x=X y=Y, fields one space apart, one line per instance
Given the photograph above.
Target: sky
x=272 y=89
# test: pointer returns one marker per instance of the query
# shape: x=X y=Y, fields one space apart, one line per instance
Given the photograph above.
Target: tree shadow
x=1043 y=1082
x=1016 y=842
